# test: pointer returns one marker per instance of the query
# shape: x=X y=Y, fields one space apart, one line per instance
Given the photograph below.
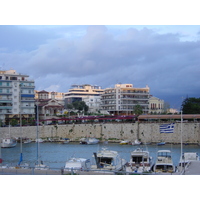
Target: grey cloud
x=97 y=56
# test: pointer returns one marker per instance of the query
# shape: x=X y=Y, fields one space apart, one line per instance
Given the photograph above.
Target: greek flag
x=167 y=128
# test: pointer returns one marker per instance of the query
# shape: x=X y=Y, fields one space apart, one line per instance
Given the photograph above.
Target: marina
x=55 y=155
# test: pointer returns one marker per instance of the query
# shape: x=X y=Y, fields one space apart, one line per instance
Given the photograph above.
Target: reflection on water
x=55 y=154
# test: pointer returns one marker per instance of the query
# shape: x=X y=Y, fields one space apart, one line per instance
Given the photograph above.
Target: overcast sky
x=166 y=58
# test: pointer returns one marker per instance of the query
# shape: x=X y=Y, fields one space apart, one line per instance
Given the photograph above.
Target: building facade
x=79 y=92
x=48 y=107
x=93 y=102
x=16 y=95
x=156 y=105
x=121 y=99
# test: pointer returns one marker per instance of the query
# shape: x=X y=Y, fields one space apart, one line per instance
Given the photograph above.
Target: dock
x=192 y=168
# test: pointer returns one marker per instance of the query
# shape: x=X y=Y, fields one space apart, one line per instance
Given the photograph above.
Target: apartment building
x=16 y=95
x=81 y=92
x=121 y=99
x=156 y=105
x=93 y=102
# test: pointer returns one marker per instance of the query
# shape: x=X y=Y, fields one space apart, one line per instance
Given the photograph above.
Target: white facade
x=93 y=102
x=123 y=97
x=80 y=92
x=16 y=94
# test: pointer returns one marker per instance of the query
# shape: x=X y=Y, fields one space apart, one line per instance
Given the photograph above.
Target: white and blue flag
x=167 y=128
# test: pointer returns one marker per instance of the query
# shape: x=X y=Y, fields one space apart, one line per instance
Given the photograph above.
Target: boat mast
x=20 y=119
x=181 y=139
x=37 y=104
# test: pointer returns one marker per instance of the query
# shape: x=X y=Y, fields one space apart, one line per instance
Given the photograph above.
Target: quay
x=192 y=168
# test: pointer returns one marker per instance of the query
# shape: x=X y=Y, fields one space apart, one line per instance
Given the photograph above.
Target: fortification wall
x=146 y=132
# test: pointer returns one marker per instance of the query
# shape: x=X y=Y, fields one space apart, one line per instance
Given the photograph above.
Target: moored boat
x=164 y=162
x=124 y=142
x=41 y=166
x=8 y=143
x=136 y=142
x=39 y=140
x=108 y=160
x=140 y=162
x=161 y=143
x=89 y=141
x=77 y=164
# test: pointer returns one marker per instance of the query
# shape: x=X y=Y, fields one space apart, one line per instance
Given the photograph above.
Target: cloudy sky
x=166 y=58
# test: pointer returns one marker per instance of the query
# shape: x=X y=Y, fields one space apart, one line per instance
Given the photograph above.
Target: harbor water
x=56 y=154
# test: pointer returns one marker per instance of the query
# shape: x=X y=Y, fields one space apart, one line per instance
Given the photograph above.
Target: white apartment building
x=123 y=97
x=156 y=105
x=93 y=102
x=81 y=92
x=16 y=95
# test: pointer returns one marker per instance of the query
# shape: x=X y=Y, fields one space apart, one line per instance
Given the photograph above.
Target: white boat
x=92 y=141
x=39 y=140
x=188 y=157
x=108 y=160
x=8 y=143
x=123 y=142
x=77 y=164
x=27 y=140
x=89 y=141
x=41 y=166
x=140 y=161
x=136 y=142
x=64 y=141
x=164 y=162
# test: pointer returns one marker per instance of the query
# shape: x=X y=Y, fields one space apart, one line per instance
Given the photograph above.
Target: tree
x=137 y=109
x=78 y=105
x=191 y=106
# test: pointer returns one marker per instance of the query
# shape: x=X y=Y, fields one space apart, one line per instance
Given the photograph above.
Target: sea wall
x=146 y=132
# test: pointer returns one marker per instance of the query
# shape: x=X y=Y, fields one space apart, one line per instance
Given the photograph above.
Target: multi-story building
x=123 y=98
x=93 y=102
x=78 y=92
x=156 y=105
x=16 y=95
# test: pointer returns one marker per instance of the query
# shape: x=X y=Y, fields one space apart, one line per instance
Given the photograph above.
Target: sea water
x=56 y=154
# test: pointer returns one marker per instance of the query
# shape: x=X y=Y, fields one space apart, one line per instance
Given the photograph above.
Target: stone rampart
x=146 y=132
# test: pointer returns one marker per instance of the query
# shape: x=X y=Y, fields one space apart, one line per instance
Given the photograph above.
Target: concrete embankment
x=146 y=132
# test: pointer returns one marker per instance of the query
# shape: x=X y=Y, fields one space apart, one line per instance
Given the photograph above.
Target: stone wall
x=146 y=132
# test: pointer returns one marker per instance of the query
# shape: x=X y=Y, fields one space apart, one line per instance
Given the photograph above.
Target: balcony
x=5 y=107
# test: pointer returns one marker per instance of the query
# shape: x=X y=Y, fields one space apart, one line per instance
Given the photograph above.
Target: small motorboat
x=40 y=140
x=8 y=143
x=140 y=162
x=108 y=160
x=77 y=164
x=124 y=142
x=41 y=166
x=89 y=141
x=161 y=143
x=164 y=162
x=136 y=142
